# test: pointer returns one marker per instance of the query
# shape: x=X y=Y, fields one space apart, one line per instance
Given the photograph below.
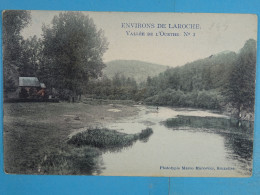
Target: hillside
x=203 y=74
x=220 y=81
x=134 y=69
x=225 y=80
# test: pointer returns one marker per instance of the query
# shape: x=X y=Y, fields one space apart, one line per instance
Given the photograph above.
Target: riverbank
x=36 y=137
x=36 y=131
x=245 y=114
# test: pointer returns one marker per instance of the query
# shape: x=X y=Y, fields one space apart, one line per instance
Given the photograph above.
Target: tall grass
x=71 y=161
x=84 y=159
x=106 y=139
x=145 y=134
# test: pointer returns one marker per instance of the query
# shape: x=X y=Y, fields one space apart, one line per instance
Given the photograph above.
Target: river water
x=191 y=143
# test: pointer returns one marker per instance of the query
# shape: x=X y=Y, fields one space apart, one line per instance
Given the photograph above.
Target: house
x=30 y=87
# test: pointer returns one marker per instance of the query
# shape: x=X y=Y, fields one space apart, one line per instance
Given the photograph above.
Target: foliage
x=195 y=99
x=204 y=74
x=13 y=23
x=119 y=87
x=71 y=161
x=145 y=134
x=73 y=50
x=69 y=59
x=214 y=123
x=209 y=83
x=107 y=139
x=31 y=56
x=240 y=88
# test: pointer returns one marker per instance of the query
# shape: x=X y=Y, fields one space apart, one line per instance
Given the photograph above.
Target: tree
x=240 y=89
x=73 y=49
x=174 y=80
x=207 y=78
x=31 y=56
x=13 y=22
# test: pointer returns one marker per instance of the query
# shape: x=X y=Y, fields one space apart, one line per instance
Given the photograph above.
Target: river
x=191 y=143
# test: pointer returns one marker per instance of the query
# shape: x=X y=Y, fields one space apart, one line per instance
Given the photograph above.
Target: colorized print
x=128 y=94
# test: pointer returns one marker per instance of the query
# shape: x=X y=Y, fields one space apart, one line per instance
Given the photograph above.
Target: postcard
x=128 y=93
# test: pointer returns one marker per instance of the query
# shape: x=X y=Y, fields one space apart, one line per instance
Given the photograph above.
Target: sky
x=215 y=33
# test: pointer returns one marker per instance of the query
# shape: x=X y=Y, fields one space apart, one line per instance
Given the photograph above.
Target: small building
x=29 y=82
x=30 y=87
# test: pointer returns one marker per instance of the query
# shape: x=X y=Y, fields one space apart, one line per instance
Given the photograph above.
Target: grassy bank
x=35 y=135
x=81 y=156
x=71 y=161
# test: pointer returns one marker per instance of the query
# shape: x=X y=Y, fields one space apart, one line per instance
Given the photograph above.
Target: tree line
x=220 y=81
x=68 y=58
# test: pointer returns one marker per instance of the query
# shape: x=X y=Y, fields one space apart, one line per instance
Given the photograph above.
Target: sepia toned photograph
x=128 y=93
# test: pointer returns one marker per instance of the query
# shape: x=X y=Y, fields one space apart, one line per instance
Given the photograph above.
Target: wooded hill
x=204 y=74
x=137 y=70
x=222 y=80
x=226 y=78
x=196 y=84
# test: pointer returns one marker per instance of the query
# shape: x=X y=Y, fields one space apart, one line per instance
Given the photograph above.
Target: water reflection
x=238 y=135
x=231 y=124
x=124 y=141
x=197 y=138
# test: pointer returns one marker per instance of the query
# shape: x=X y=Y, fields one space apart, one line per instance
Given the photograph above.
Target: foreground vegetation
x=83 y=156
x=71 y=161
x=36 y=134
x=107 y=139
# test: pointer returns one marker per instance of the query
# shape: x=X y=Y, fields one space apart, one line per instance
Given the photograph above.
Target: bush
x=197 y=99
x=208 y=99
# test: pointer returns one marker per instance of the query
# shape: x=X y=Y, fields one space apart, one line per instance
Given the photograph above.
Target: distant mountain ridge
x=138 y=70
